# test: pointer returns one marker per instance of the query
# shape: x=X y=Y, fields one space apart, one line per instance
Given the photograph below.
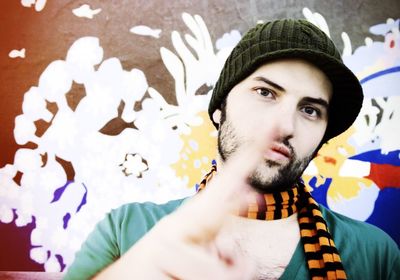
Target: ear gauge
x=217 y=116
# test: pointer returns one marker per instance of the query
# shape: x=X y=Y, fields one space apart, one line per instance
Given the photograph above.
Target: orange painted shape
x=330 y=160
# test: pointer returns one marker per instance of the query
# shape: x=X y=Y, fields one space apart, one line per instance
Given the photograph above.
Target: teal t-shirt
x=366 y=251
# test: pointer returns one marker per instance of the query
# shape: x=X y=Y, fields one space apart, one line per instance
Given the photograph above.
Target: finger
x=194 y=262
x=225 y=249
x=201 y=218
x=234 y=173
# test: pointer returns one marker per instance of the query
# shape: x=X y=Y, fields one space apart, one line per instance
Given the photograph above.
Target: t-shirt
x=366 y=251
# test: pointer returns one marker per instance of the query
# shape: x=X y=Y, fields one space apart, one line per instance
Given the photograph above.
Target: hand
x=181 y=245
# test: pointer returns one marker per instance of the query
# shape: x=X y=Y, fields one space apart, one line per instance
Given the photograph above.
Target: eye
x=311 y=111
x=265 y=92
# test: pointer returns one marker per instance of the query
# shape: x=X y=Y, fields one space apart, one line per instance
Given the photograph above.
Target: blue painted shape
x=66 y=220
x=58 y=192
x=380 y=73
x=386 y=214
x=376 y=156
x=84 y=199
x=320 y=192
x=60 y=261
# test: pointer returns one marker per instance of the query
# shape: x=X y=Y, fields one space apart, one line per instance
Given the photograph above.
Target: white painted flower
x=39 y=255
x=52 y=265
x=34 y=106
x=6 y=214
x=134 y=165
x=82 y=57
x=39 y=4
x=191 y=71
x=228 y=40
x=317 y=19
x=74 y=136
x=24 y=130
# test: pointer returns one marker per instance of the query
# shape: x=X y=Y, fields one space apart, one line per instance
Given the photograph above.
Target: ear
x=217 y=116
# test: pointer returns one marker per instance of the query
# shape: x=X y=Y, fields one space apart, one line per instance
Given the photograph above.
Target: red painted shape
x=392 y=43
x=15 y=244
x=385 y=175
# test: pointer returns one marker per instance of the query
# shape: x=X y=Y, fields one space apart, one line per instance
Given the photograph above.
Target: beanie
x=290 y=38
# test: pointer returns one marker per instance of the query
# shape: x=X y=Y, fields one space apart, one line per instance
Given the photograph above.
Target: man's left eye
x=311 y=111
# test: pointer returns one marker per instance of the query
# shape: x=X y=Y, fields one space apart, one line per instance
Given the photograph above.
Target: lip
x=278 y=152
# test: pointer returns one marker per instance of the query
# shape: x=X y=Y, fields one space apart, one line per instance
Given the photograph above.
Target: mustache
x=286 y=144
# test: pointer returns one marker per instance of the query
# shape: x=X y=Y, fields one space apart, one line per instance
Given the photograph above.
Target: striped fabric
x=322 y=257
x=321 y=254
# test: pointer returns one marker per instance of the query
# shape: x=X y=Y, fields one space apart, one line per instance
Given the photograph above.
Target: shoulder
x=115 y=234
x=149 y=211
x=131 y=221
x=344 y=226
x=364 y=248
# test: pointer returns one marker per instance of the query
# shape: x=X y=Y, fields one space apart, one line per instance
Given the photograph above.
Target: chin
x=272 y=178
x=263 y=176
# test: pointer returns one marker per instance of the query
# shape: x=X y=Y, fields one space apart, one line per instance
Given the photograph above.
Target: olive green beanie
x=289 y=38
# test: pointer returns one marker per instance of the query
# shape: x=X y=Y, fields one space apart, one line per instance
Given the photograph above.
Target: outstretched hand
x=181 y=245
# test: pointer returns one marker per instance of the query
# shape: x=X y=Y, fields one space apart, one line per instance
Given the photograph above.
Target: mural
x=358 y=170
x=79 y=168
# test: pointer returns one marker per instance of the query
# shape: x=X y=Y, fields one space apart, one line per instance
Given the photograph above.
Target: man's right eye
x=265 y=92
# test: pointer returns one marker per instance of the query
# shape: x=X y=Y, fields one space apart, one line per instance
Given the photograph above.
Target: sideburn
x=221 y=122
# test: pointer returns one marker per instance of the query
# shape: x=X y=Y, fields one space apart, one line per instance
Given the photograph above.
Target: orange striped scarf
x=322 y=257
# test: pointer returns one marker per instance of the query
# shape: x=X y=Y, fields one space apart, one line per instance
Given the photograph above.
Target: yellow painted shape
x=329 y=160
x=379 y=65
x=199 y=149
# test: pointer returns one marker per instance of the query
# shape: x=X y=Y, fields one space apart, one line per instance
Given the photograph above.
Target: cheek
x=308 y=140
x=247 y=122
x=241 y=115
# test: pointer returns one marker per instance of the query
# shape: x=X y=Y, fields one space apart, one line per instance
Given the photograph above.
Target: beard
x=270 y=176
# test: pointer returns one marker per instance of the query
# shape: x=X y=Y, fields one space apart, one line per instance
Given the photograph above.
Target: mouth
x=278 y=153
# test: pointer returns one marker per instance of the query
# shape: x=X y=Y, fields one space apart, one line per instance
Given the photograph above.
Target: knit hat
x=289 y=38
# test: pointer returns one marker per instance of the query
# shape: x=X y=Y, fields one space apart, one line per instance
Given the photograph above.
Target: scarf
x=323 y=260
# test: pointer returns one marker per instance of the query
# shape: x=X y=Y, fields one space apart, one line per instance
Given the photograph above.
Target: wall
x=106 y=104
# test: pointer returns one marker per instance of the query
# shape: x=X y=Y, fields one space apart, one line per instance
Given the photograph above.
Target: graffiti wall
x=105 y=103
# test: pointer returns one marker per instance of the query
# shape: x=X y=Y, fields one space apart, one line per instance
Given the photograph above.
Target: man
x=282 y=93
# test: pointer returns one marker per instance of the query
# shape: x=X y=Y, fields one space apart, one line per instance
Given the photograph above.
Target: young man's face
x=291 y=95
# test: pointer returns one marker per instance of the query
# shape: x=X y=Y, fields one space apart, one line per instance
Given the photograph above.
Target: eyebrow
x=269 y=82
x=318 y=101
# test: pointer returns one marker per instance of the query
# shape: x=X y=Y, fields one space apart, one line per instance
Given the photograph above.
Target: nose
x=286 y=123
